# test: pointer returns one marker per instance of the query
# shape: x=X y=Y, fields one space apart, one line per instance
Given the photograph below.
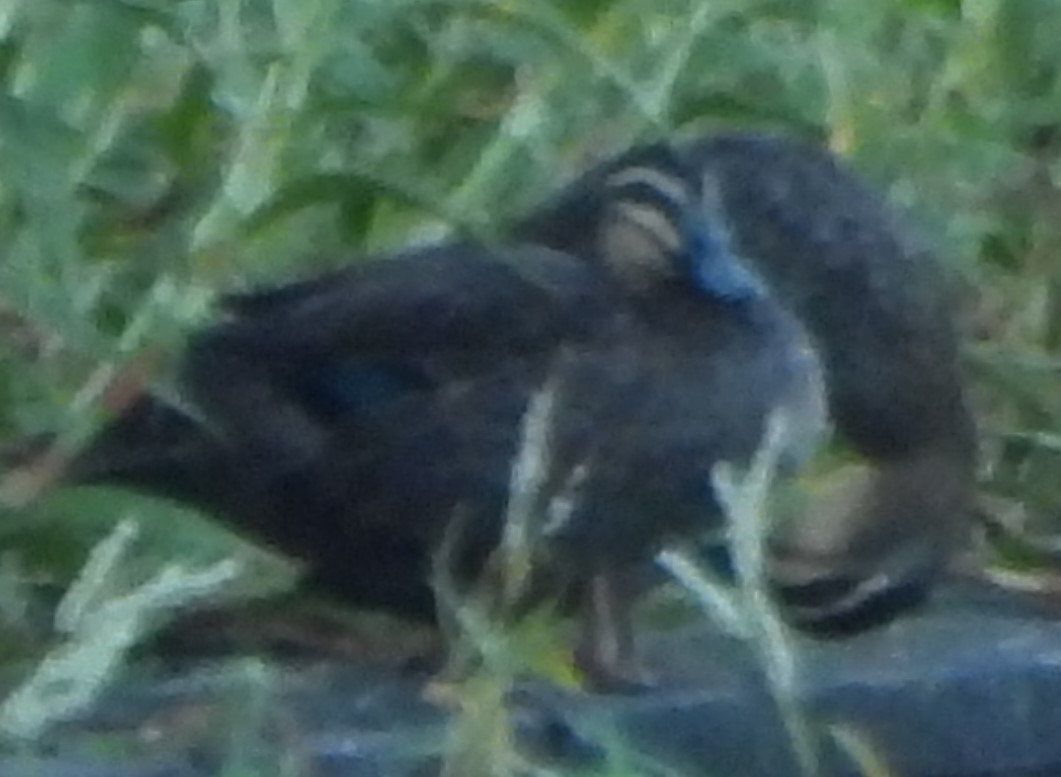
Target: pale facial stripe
x=667 y=185
x=653 y=222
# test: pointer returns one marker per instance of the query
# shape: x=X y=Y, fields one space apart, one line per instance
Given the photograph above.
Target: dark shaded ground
x=969 y=687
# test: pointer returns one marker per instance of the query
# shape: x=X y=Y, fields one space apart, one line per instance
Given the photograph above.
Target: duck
x=879 y=313
x=367 y=419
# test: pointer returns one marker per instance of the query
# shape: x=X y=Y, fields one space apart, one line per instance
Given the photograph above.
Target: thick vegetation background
x=153 y=152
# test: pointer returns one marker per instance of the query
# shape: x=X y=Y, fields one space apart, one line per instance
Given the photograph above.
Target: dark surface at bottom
x=967 y=687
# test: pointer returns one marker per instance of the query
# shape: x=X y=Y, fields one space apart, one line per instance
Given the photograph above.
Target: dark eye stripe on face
x=653 y=182
x=655 y=223
x=652 y=200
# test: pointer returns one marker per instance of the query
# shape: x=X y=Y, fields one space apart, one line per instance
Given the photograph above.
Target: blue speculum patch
x=358 y=385
x=713 y=267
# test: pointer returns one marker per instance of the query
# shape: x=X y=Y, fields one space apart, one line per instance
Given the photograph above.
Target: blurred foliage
x=155 y=151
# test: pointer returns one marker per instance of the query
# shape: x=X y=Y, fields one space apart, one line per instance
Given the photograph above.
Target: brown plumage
x=347 y=419
x=879 y=313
